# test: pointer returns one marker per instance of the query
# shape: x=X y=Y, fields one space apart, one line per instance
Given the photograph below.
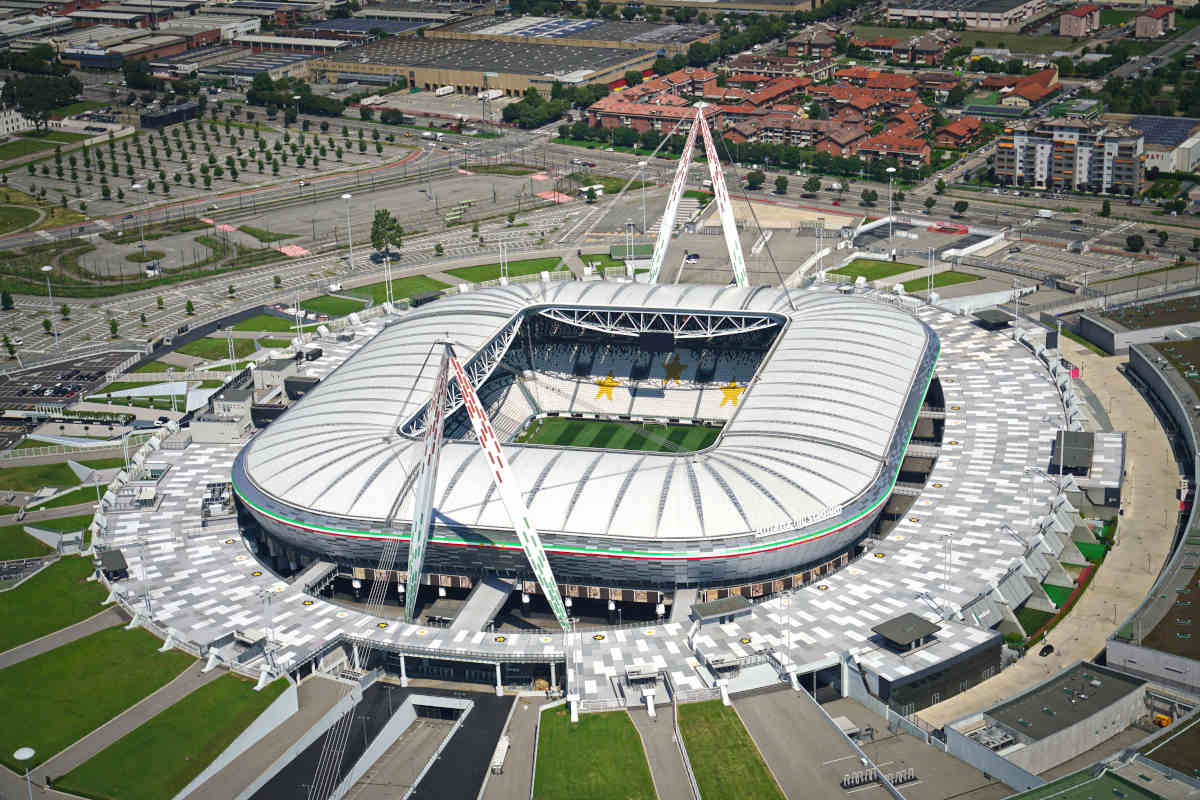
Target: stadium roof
x=823 y=423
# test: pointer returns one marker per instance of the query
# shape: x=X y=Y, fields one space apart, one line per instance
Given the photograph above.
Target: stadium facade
x=817 y=395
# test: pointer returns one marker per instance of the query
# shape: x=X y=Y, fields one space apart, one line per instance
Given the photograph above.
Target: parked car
x=1045 y=651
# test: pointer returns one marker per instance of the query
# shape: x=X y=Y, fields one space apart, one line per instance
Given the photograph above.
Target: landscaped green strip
x=1058 y=594
x=216 y=349
x=70 y=691
x=23 y=147
x=34 y=477
x=598 y=758
x=1032 y=620
x=724 y=758
x=73 y=524
x=873 y=270
x=162 y=756
x=16 y=543
x=84 y=494
x=1092 y=551
x=264 y=235
x=13 y=218
x=490 y=272
x=947 y=278
x=268 y=323
x=56 y=597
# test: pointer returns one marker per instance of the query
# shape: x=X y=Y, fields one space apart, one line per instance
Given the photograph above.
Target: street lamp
x=349 y=235
x=24 y=754
x=891 y=171
x=642 y=173
x=141 y=221
x=50 y=293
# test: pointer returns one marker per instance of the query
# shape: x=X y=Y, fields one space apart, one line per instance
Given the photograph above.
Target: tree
x=781 y=185
x=591 y=194
x=1106 y=208
x=47 y=326
x=1196 y=243
x=940 y=186
x=930 y=202
x=438 y=249
x=1162 y=238
x=142 y=317
x=812 y=185
x=960 y=206
x=36 y=96
x=383 y=229
x=365 y=113
x=12 y=351
x=1134 y=243
x=633 y=77
x=159 y=301
x=869 y=196
x=755 y=179
x=6 y=301
x=189 y=308
x=112 y=327
x=278 y=281
x=65 y=311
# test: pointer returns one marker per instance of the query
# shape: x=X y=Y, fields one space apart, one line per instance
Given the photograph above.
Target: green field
x=1013 y=41
x=138 y=257
x=269 y=342
x=61 y=137
x=1083 y=785
x=727 y=764
x=502 y=169
x=1092 y=551
x=156 y=366
x=1111 y=16
x=84 y=494
x=79 y=687
x=605 y=756
x=216 y=349
x=873 y=270
x=77 y=108
x=269 y=323
x=13 y=218
x=16 y=543
x=162 y=756
x=401 y=288
x=56 y=597
x=73 y=524
x=332 y=306
x=23 y=147
x=34 y=477
x=1032 y=620
x=489 y=272
x=618 y=435
x=947 y=278
x=1058 y=594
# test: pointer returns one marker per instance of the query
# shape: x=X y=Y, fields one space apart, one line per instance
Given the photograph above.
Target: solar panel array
x=1170 y=131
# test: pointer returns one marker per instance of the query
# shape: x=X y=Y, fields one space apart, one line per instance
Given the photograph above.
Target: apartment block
x=1072 y=154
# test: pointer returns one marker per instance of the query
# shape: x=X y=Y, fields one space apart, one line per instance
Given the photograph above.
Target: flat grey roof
x=486 y=56
x=906 y=629
x=1072 y=450
x=112 y=561
x=984 y=6
x=720 y=608
x=1059 y=703
x=592 y=29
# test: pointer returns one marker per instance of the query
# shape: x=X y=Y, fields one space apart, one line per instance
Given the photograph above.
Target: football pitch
x=618 y=435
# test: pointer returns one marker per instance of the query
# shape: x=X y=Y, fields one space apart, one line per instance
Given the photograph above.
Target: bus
x=598 y=189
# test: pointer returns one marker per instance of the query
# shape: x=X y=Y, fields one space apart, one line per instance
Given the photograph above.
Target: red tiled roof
x=1158 y=12
x=888 y=141
x=888 y=80
x=962 y=128
x=1081 y=11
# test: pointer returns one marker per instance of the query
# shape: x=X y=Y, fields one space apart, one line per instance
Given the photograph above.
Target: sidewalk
x=108 y=618
x=1143 y=542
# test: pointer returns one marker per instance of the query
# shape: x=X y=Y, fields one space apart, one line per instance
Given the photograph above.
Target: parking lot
x=56 y=383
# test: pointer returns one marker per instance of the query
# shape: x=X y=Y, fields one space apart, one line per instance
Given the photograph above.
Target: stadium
x=663 y=436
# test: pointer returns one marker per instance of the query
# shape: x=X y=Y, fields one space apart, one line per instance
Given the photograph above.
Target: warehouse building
x=261 y=43
x=977 y=14
x=230 y=27
x=428 y=63
x=30 y=27
x=668 y=39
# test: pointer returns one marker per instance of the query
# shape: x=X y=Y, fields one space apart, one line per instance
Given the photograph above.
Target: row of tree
x=283 y=93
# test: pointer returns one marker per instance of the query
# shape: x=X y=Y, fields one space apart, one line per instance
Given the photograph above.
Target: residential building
x=1080 y=20
x=908 y=151
x=959 y=133
x=1028 y=90
x=815 y=42
x=615 y=112
x=1154 y=22
x=1072 y=154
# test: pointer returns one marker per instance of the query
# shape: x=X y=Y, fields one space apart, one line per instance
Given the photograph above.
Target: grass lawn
x=84 y=494
x=216 y=349
x=947 y=278
x=267 y=342
x=34 y=477
x=22 y=147
x=138 y=257
x=1032 y=620
x=600 y=261
x=605 y=756
x=77 y=108
x=156 y=366
x=1058 y=594
x=616 y=435
x=264 y=235
x=1111 y=16
x=1092 y=551
x=401 y=288
x=79 y=687
x=73 y=524
x=266 y=322
x=873 y=270
x=56 y=597
x=159 y=758
x=611 y=185
x=727 y=764
x=696 y=194
x=61 y=137
x=16 y=543
x=488 y=272
x=13 y=218
x=333 y=306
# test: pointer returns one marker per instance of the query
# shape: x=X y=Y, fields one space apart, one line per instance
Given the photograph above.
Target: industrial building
x=1172 y=143
x=230 y=27
x=978 y=14
x=668 y=39
x=265 y=43
x=1072 y=154
x=471 y=66
x=356 y=28
x=27 y=27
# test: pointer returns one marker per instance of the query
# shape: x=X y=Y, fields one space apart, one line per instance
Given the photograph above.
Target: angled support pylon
x=667 y=227
x=510 y=493
x=733 y=242
x=422 y=523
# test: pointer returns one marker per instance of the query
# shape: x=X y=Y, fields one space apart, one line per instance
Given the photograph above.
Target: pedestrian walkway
x=108 y=618
x=516 y=781
x=1143 y=542
x=662 y=752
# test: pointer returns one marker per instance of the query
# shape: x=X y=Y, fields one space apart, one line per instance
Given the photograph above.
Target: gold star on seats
x=606 y=386
x=674 y=369
x=731 y=392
